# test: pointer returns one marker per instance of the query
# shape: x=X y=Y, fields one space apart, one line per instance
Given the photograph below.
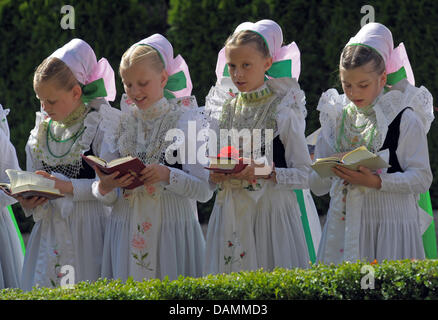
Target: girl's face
x=246 y=66
x=58 y=103
x=144 y=84
x=362 y=85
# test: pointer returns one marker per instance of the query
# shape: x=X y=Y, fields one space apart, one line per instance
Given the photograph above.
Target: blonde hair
x=55 y=69
x=245 y=37
x=138 y=53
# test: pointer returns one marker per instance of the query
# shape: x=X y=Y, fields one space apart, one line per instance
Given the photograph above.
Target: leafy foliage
x=406 y=280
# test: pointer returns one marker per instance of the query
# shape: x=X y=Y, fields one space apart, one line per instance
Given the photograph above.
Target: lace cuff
x=398 y=182
x=189 y=186
x=330 y=108
x=82 y=189
x=108 y=199
x=292 y=177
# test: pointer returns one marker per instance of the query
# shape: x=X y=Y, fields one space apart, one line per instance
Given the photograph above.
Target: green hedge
x=393 y=280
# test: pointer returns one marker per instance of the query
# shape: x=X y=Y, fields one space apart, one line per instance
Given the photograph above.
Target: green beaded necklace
x=74 y=138
x=77 y=115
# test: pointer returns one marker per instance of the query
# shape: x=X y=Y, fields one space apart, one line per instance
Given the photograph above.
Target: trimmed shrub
x=392 y=280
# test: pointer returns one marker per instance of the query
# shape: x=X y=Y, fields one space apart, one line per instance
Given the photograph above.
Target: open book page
x=20 y=178
x=111 y=163
x=352 y=160
x=29 y=184
x=357 y=155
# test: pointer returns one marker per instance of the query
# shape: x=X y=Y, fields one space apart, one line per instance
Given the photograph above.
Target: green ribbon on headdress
x=393 y=78
x=175 y=82
x=279 y=69
x=93 y=90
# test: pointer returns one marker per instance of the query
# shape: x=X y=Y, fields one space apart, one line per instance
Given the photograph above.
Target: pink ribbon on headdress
x=399 y=58
x=103 y=70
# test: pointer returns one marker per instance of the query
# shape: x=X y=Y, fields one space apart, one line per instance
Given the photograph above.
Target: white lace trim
x=286 y=90
x=292 y=95
x=38 y=146
x=288 y=177
x=387 y=107
x=138 y=135
x=3 y=121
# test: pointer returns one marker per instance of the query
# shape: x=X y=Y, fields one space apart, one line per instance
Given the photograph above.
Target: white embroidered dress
x=364 y=223
x=69 y=230
x=254 y=226
x=11 y=255
x=155 y=232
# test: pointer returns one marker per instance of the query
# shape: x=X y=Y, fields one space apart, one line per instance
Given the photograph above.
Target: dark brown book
x=131 y=165
x=226 y=165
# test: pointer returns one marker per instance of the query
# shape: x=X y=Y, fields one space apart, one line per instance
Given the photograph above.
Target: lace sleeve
x=192 y=181
x=291 y=113
x=412 y=153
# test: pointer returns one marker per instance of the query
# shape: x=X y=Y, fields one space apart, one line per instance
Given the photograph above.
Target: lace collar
x=76 y=116
x=155 y=111
x=142 y=133
x=256 y=96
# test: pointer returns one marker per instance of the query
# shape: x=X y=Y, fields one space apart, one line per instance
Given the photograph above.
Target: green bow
x=95 y=89
x=175 y=82
x=393 y=78
x=279 y=69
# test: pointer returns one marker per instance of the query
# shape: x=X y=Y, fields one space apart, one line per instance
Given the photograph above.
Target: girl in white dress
x=68 y=232
x=153 y=231
x=374 y=215
x=256 y=217
x=11 y=255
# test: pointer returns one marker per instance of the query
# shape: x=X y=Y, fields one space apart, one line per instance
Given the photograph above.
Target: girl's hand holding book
x=31 y=203
x=108 y=182
x=154 y=173
x=64 y=186
x=216 y=177
x=249 y=173
x=364 y=177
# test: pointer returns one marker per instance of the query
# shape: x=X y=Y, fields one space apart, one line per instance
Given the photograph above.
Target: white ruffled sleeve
x=413 y=156
x=103 y=113
x=8 y=160
x=105 y=147
x=330 y=108
x=110 y=198
x=291 y=124
x=192 y=180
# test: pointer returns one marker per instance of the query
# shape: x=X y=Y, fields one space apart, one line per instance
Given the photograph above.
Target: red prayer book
x=132 y=165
